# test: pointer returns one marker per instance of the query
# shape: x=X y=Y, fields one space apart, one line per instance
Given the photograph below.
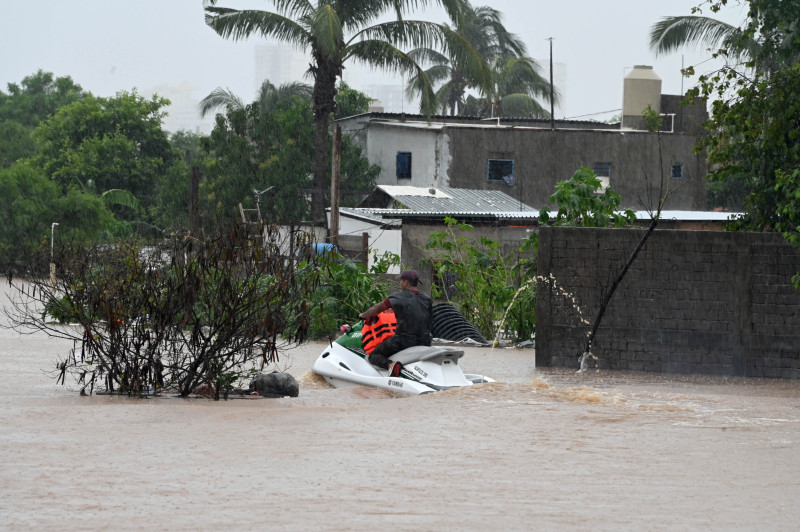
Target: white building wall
x=380 y=240
x=425 y=145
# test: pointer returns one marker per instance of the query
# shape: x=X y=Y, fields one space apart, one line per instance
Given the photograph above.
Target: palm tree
x=516 y=85
x=482 y=26
x=336 y=33
x=268 y=96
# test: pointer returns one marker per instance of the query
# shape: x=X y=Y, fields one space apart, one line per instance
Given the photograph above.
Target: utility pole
x=336 y=177
x=52 y=258
x=552 y=112
x=194 y=202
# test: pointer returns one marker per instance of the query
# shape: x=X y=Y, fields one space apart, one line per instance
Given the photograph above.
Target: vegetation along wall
x=693 y=301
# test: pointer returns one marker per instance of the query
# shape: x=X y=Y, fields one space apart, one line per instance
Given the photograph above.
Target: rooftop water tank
x=642 y=88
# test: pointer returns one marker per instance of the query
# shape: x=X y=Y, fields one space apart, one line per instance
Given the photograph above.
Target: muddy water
x=538 y=450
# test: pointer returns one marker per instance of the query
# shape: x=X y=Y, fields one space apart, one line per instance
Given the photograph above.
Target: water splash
x=560 y=291
x=584 y=361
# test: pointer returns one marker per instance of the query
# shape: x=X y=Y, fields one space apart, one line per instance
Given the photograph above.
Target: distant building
x=279 y=63
x=525 y=158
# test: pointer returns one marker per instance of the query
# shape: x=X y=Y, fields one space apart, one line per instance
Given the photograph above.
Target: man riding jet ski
x=404 y=361
x=413 y=311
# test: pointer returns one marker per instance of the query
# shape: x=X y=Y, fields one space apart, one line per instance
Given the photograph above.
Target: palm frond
x=385 y=56
x=428 y=56
x=220 y=98
x=673 y=33
x=125 y=198
x=237 y=25
x=269 y=96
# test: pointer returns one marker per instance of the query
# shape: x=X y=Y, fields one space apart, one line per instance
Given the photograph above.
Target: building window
x=602 y=169
x=500 y=169
x=404 y=165
x=677 y=171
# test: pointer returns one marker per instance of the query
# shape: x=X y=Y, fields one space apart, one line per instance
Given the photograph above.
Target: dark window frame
x=499 y=172
x=602 y=168
x=400 y=171
x=676 y=175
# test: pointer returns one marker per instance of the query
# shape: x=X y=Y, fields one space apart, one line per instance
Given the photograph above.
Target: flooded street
x=540 y=449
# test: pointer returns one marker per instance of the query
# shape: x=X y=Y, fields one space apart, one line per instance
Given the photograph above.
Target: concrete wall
x=692 y=302
x=544 y=157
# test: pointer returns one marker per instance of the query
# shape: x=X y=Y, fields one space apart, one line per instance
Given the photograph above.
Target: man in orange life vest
x=414 y=312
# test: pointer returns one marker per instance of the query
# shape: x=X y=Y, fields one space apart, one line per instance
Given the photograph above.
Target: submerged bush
x=181 y=314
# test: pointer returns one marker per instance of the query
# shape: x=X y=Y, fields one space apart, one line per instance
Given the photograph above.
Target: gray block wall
x=702 y=302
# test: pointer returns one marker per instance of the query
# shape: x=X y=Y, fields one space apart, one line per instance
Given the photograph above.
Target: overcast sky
x=164 y=46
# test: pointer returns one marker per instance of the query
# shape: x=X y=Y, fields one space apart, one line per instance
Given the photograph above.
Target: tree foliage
x=30 y=203
x=26 y=105
x=753 y=133
x=253 y=149
x=483 y=28
x=350 y=102
x=100 y=144
x=495 y=290
x=346 y=289
x=581 y=201
x=515 y=91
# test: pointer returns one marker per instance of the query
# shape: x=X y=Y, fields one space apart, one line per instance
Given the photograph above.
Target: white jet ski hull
x=428 y=369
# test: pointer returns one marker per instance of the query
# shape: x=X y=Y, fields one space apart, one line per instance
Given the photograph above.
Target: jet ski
x=344 y=363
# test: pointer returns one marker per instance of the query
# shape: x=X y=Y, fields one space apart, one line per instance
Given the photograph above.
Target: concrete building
x=525 y=158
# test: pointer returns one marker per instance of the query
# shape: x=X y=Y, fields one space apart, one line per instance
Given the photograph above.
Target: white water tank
x=642 y=88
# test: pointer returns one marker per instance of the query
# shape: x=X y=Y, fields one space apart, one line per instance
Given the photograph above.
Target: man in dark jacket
x=414 y=313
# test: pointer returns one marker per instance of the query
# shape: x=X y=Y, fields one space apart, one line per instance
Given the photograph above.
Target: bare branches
x=176 y=316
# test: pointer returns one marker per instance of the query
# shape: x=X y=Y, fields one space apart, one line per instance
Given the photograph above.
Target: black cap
x=409 y=275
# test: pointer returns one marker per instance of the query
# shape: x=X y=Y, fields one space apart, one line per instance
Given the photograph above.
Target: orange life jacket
x=382 y=327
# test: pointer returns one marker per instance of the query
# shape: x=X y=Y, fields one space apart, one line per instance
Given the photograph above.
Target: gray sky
x=164 y=46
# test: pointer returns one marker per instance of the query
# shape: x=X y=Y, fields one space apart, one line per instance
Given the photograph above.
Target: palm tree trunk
x=324 y=105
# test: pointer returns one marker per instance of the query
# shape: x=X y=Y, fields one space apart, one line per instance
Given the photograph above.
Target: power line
x=592 y=114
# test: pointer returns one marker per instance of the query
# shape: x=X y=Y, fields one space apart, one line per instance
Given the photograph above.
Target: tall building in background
x=183 y=112
x=278 y=63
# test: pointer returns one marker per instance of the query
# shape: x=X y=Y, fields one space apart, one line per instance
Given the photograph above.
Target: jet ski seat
x=419 y=353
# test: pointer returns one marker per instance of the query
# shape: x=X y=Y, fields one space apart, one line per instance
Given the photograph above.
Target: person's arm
x=375 y=310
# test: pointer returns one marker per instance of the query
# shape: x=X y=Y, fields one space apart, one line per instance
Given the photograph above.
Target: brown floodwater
x=541 y=449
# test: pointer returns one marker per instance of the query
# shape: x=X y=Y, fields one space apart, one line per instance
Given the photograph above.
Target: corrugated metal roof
x=691 y=216
x=443 y=200
x=408 y=213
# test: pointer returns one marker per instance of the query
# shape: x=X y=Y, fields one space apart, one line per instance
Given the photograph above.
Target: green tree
x=755 y=111
x=187 y=143
x=25 y=106
x=30 y=203
x=672 y=34
x=481 y=26
x=251 y=149
x=100 y=144
x=514 y=91
x=582 y=202
x=493 y=288
x=340 y=33
x=350 y=102
x=268 y=96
